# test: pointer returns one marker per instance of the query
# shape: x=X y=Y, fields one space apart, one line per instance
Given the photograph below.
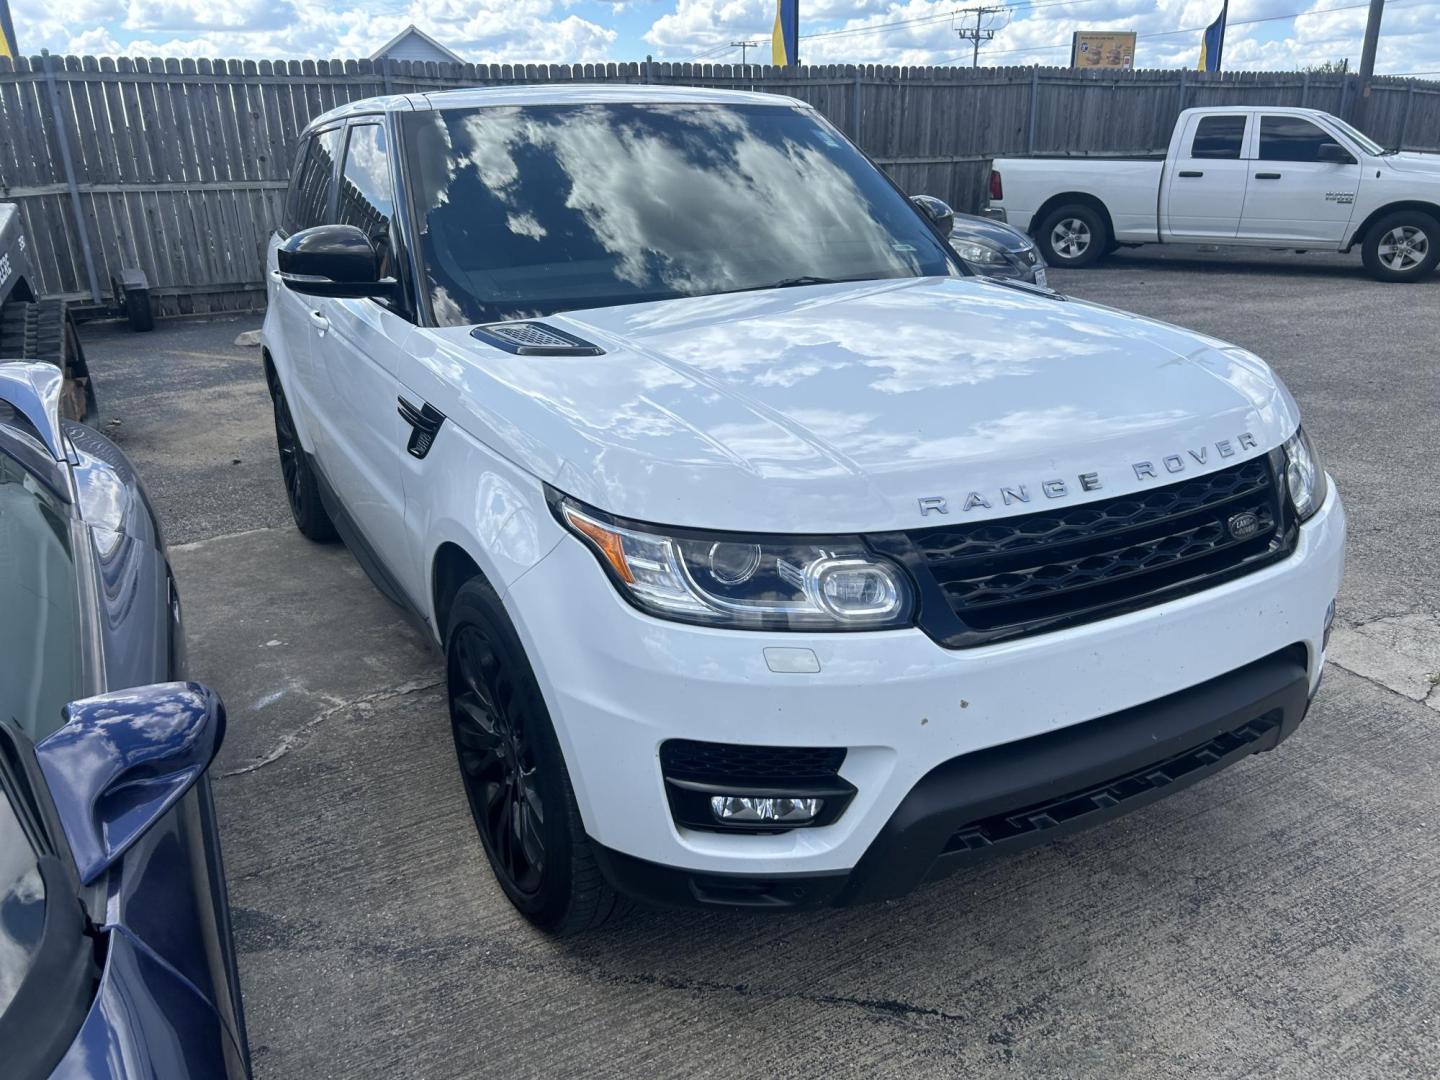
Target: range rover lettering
x=777 y=559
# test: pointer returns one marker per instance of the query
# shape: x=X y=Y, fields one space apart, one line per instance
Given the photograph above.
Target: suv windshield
x=524 y=211
x=40 y=659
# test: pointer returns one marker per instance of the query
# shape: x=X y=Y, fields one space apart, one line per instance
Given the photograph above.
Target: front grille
x=1035 y=572
x=1105 y=797
x=707 y=762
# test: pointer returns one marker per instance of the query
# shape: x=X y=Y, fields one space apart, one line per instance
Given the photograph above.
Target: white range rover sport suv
x=777 y=559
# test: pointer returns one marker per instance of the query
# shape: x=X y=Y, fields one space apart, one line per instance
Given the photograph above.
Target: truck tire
x=45 y=330
x=1402 y=247
x=302 y=491
x=514 y=773
x=1073 y=235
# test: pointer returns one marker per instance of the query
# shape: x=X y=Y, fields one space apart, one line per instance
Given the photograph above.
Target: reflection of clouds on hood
x=657 y=201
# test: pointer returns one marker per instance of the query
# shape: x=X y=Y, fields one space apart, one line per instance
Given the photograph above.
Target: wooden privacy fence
x=179 y=167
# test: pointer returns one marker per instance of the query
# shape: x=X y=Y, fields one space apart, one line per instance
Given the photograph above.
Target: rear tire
x=302 y=491
x=514 y=773
x=1073 y=235
x=1402 y=247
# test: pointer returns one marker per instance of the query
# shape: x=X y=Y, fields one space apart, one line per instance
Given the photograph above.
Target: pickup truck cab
x=776 y=558
x=1244 y=175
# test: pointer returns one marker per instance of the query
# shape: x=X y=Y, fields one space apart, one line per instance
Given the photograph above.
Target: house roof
x=414 y=31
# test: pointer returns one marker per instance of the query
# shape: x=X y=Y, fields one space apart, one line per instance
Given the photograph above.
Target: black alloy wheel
x=514 y=772
x=497 y=763
x=301 y=491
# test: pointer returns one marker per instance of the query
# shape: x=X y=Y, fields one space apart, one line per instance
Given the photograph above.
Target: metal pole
x=975 y=56
x=82 y=225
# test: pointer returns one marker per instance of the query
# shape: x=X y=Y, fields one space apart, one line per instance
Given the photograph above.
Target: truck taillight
x=997 y=190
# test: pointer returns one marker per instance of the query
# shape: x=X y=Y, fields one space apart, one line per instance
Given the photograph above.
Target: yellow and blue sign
x=785 y=39
x=1212 y=45
x=7 y=32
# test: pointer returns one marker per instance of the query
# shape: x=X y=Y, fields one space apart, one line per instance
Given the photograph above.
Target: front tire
x=514 y=773
x=1073 y=236
x=1402 y=247
x=302 y=491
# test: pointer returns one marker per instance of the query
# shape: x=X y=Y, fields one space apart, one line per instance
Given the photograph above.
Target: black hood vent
x=534 y=339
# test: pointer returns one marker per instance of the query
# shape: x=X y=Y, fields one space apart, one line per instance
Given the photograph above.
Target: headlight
x=825 y=583
x=979 y=252
x=1304 y=478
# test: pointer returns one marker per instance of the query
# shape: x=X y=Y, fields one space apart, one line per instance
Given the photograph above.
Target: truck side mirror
x=938 y=211
x=333 y=260
x=1334 y=153
x=122 y=760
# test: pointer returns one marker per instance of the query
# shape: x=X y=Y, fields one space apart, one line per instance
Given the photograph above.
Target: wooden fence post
x=1405 y=114
x=855 y=105
x=1034 y=117
x=82 y=225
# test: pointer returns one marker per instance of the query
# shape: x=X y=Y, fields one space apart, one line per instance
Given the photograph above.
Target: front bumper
x=1019 y=794
x=914 y=717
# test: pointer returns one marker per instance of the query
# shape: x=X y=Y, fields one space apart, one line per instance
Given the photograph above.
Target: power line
x=978 y=32
x=1183 y=30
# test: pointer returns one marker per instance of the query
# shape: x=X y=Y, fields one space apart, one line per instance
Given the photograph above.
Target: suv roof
x=553 y=94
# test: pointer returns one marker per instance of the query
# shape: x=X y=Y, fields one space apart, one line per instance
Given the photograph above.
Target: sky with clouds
x=1264 y=34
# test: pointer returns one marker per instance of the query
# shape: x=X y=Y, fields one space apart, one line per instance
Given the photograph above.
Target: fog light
x=740 y=810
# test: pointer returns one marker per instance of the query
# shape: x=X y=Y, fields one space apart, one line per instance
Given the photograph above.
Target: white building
x=412 y=43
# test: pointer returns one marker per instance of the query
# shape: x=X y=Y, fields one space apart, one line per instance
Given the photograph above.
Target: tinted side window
x=40 y=632
x=1289 y=138
x=313 y=181
x=22 y=902
x=367 y=198
x=1218 y=137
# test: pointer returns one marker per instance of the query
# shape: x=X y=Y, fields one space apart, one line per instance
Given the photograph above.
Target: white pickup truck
x=1244 y=175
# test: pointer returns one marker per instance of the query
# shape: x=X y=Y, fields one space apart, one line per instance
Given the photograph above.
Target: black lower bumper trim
x=1018 y=794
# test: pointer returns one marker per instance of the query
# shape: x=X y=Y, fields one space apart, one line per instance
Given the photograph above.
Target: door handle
x=1267 y=176
x=319 y=322
x=274 y=275
x=1191 y=172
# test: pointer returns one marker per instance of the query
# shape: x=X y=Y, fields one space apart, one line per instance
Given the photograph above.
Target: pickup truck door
x=1292 y=195
x=360 y=346
x=1205 y=179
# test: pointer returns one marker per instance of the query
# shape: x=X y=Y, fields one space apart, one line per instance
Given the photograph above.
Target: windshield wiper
x=793 y=282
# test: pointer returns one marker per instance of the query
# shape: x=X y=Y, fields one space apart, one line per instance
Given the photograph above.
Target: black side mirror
x=333 y=260
x=1334 y=153
x=938 y=211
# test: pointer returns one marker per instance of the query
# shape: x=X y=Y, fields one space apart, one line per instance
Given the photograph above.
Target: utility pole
x=1367 y=58
x=978 y=32
x=744 y=47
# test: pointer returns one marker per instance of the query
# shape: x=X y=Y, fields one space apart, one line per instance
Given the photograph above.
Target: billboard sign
x=1096 y=49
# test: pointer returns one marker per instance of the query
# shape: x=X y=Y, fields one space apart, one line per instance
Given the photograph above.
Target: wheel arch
x=1363 y=229
x=1083 y=197
x=451 y=566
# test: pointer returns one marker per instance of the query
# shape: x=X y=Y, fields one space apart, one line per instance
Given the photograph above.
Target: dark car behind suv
x=116 y=958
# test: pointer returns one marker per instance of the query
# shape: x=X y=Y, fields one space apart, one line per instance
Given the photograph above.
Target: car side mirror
x=333 y=260
x=122 y=760
x=937 y=210
x=1334 y=153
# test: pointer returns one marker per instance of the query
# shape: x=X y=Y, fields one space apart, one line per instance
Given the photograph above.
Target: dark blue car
x=116 y=958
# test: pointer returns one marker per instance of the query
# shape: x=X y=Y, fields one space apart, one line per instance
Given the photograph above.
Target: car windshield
x=525 y=211
x=40 y=660
x=22 y=901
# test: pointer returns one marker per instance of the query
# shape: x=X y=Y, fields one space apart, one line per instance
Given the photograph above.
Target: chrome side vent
x=534 y=339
